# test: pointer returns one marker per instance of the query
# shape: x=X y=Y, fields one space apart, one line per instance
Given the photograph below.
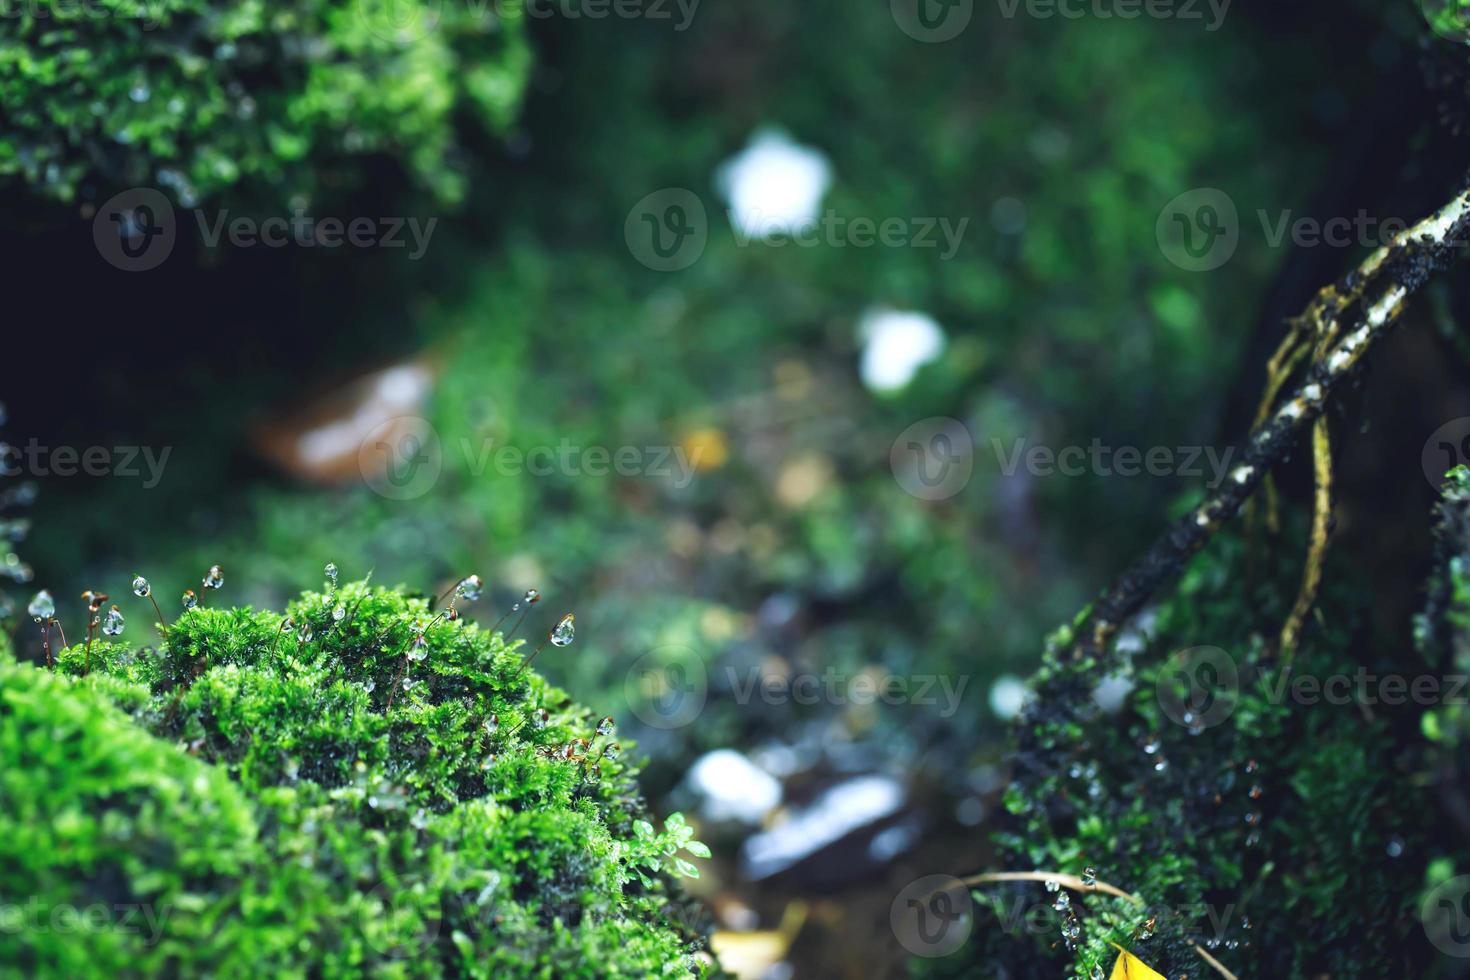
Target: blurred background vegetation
x=530 y=323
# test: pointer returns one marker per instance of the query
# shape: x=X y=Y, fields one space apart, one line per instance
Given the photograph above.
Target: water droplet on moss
x=214 y=578
x=113 y=624
x=564 y=633
x=141 y=588
x=470 y=588
x=189 y=599
x=43 y=606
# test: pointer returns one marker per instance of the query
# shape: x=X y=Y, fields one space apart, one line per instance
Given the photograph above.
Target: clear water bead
x=141 y=588
x=214 y=578
x=531 y=597
x=113 y=624
x=420 y=649
x=304 y=634
x=564 y=633
x=1063 y=902
x=42 y=606
x=492 y=724
x=606 y=726
x=470 y=588
x=1089 y=877
x=612 y=751
x=331 y=572
x=339 y=614
x=189 y=599
x=1052 y=885
x=541 y=718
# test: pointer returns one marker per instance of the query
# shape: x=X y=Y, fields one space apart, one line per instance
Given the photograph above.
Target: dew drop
x=113 y=624
x=607 y=726
x=189 y=599
x=331 y=572
x=214 y=578
x=42 y=606
x=564 y=632
x=1052 y=885
x=141 y=588
x=1089 y=877
x=470 y=588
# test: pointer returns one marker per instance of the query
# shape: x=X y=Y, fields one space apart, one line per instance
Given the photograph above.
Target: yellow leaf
x=1130 y=967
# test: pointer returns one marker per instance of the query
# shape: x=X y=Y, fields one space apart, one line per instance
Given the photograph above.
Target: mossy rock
x=255 y=781
x=195 y=97
x=1275 y=829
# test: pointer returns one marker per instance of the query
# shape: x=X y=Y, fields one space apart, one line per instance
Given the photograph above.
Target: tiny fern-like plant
x=246 y=780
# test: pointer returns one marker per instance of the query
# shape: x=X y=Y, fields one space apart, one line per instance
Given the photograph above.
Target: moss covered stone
x=195 y=96
x=327 y=832
x=1271 y=828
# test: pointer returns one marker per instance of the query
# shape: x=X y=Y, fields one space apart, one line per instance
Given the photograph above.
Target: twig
x=1076 y=884
x=1413 y=257
x=1219 y=967
x=1321 y=535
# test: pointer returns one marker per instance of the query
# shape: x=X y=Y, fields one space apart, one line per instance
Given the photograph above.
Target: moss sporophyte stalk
x=393 y=792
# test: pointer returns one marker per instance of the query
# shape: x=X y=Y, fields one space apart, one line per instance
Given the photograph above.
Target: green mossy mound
x=444 y=835
x=195 y=96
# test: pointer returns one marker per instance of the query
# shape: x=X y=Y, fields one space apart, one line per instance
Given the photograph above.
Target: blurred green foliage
x=551 y=331
x=198 y=97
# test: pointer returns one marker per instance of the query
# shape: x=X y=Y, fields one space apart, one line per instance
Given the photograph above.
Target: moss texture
x=247 y=778
x=1280 y=837
x=195 y=97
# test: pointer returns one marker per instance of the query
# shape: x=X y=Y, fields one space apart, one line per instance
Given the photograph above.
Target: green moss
x=442 y=834
x=196 y=96
x=1277 y=835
